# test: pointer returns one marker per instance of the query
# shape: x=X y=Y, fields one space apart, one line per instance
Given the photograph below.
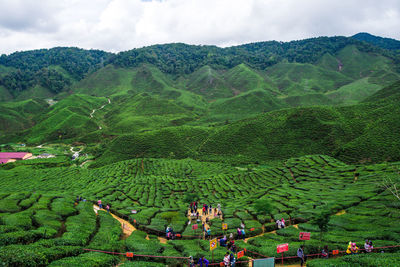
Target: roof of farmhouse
x=15 y=155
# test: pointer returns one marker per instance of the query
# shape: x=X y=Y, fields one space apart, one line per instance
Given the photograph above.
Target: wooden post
x=282 y=258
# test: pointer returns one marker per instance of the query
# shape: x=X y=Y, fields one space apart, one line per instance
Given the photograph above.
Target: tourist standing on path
x=325 y=252
x=226 y=259
x=99 y=203
x=278 y=224
x=232 y=260
x=301 y=255
x=191 y=261
x=204 y=261
x=108 y=208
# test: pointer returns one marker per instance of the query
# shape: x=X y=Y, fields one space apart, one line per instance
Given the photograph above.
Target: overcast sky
x=117 y=25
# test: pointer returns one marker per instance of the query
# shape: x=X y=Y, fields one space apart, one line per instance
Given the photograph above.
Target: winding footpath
x=94 y=110
x=127 y=228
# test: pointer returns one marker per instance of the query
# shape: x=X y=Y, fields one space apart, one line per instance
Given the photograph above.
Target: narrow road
x=94 y=110
x=127 y=227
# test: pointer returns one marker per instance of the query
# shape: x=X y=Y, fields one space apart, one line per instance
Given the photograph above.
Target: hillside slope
x=369 y=131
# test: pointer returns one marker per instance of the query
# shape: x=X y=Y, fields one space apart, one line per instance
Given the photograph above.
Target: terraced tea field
x=40 y=225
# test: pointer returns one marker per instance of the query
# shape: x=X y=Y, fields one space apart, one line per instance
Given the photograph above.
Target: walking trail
x=203 y=217
x=127 y=228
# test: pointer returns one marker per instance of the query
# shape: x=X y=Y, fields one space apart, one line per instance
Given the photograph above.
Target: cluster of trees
x=18 y=81
x=181 y=58
x=36 y=67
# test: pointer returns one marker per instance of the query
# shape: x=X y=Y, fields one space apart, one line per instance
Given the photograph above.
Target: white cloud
x=116 y=25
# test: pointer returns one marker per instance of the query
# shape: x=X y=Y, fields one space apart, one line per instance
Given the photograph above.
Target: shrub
x=91 y=259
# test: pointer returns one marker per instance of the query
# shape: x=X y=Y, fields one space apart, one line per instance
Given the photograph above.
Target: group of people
x=241 y=233
x=79 y=199
x=280 y=223
x=223 y=242
x=353 y=249
x=107 y=207
x=206 y=209
x=169 y=233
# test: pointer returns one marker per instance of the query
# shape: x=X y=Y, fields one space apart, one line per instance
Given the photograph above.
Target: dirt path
x=247 y=239
x=162 y=240
x=203 y=217
x=94 y=110
x=340 y=213
x=127 y=228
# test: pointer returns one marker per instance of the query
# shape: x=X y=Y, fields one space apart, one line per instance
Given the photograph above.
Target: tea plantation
x=40 y=224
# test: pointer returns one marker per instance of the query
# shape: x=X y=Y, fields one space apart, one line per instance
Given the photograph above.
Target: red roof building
x=3 y=161
x=15 y=155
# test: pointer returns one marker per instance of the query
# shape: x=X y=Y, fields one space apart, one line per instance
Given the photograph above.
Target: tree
x=322 y=220
x=391 y=184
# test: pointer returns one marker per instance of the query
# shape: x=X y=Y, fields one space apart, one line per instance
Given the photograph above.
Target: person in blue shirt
x=222 y=242
x=204 y=261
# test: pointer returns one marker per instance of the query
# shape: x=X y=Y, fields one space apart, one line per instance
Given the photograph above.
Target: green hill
x=369 y=131
x=242 y=78
x=298 y=79
x=69 y=118
x=209 y=83
x=386 y=43
x=17 y=116
x=244 y=105
x=145 y=112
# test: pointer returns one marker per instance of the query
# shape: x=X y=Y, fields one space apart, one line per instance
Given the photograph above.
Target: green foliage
x=91 y=259
x=263 y=206
x=108 y=235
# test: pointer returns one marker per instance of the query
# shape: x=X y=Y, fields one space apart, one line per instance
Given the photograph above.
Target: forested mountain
x=386 y=43
x=46 y=72
x=252 y=102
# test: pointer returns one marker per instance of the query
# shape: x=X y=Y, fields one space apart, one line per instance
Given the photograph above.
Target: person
x=191 y=261
x=370 y=247
x=206 y=208
x=279 y=224
x=77 y=199
x=366 y=245
x=222 y=241
x=232 y=246
x=243 y=233
x=227 y=259
x=352 y=248
x=231 y=236
x=301 y=255
x=219 y=208
x=283 y=223
x=210 y=209
x=209 y=232
x=239 y=233
x=231 y=243
x=108 y=208
x=80 y=198
x=325 y=252
x=99 y=203
x=232 y=260
x=204 y=261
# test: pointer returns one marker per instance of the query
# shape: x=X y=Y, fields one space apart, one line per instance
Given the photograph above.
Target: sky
x=119 y=25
